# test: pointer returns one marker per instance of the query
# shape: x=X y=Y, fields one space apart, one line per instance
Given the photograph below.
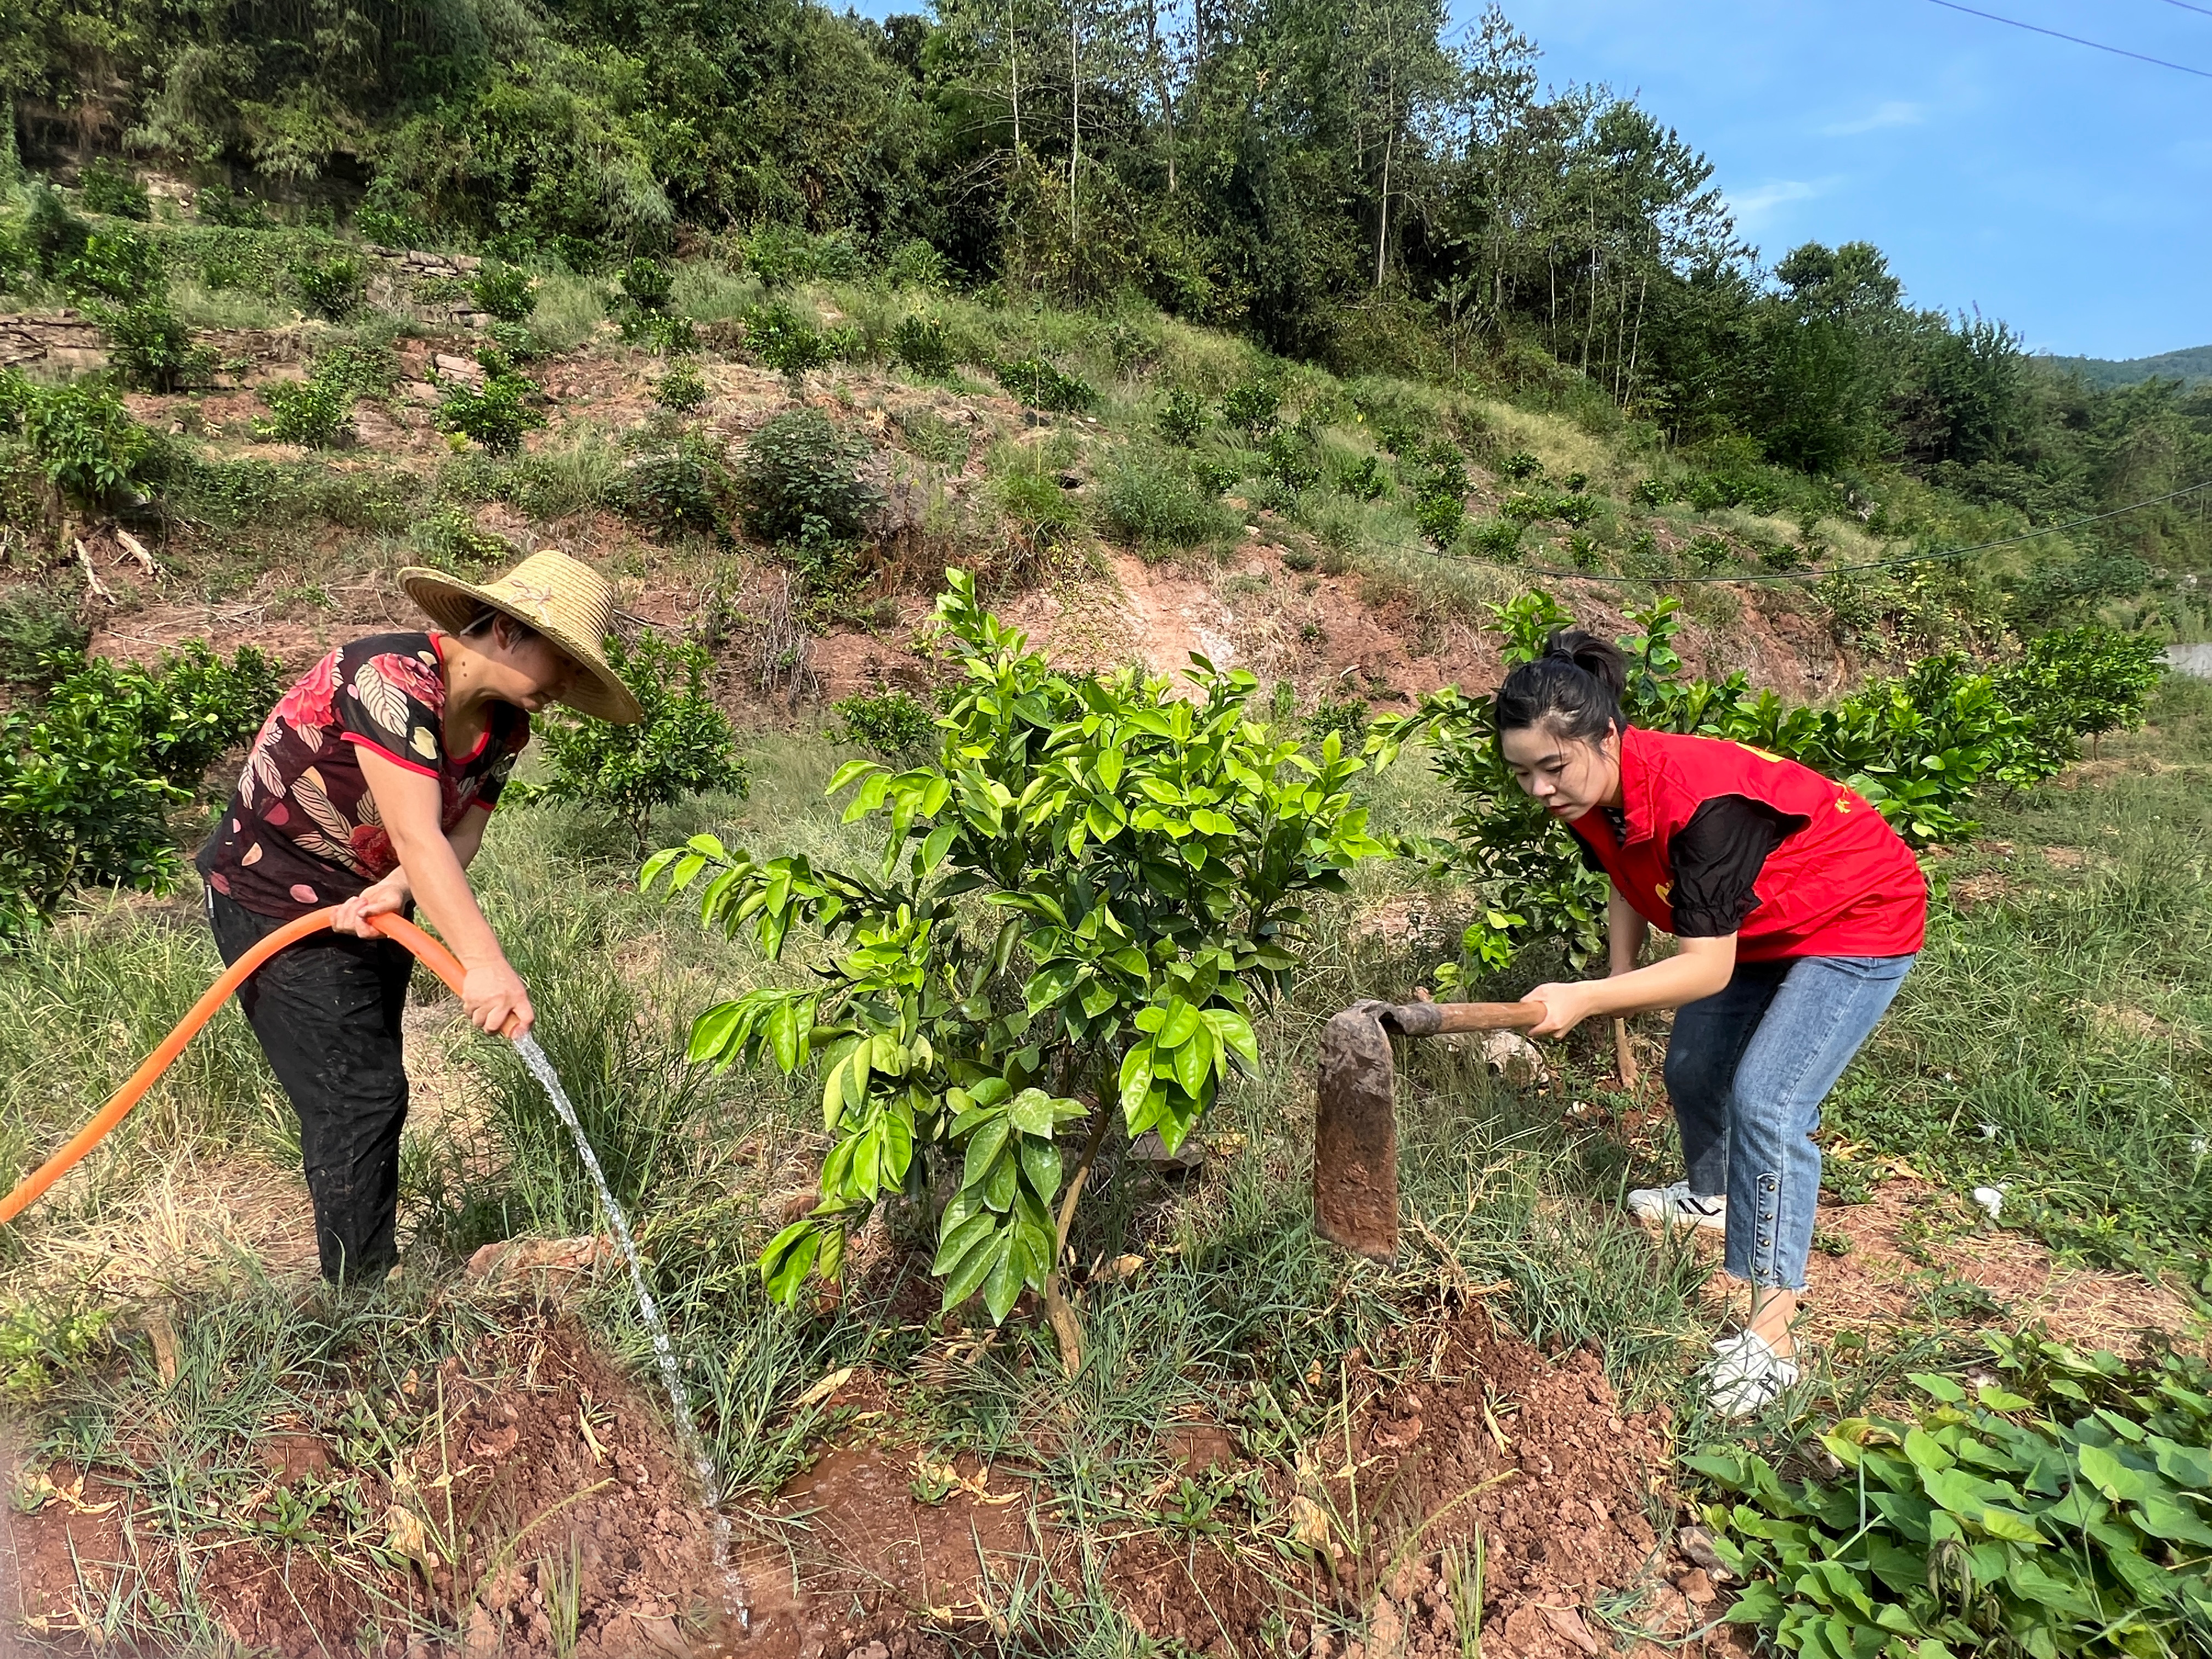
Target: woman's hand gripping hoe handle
x=432 y=955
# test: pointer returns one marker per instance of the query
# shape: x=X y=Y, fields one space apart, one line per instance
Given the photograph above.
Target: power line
x=1940 y=557
x=2037 y=28
x=2185 y=6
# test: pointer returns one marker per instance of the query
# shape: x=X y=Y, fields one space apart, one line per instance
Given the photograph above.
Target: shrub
x=1183 y=417
x=85 y=785
x=682 y=487
x=107 y=187
x=329 y=288
x=120 y=264
x=1253 y=408
x=1346 y=717
x=798 y=482
x=1653 y=492
x=495 y=414
x=2080 y=681
x=784 y=341
x=1041 y=385
x=1519 y=466
x=1291 y=463
x=646 y=285
x=452 y=540
x=684 y=746
x=1157 y=500
x=1214 y=476
x=53 y=235
x=505 y=292
x=218 y=205
x=683 y=388
x=317 y=412
x=1145 y=964
x=1363 y=479
x=782 y=254
x=1036 y=503
x=892 y=723
x=80 y=435
x=41 y=639
x=920 y=343
x=913 y=264
x=1709 y=553
x=1495 y=538
x=1439 y=492
x=150 y=346
x=663 y=330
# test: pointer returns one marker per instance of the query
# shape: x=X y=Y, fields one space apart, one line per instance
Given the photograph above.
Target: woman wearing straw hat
x=368 y=790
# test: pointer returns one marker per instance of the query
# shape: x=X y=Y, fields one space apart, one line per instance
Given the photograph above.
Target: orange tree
x=1077 y=911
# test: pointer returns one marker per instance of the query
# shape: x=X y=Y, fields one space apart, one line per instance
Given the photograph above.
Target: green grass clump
x=1152 y=497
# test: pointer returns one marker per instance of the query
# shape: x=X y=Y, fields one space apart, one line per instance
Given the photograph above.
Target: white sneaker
x=1745 y=1375
x=1678 y=1206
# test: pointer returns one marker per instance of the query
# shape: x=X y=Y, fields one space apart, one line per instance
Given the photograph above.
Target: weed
x=219 y=204
x=150 y=346
x=496 y=414
x=41 y=638
x=1038 y=383
x=507 y=293
x=1153 y=498
x=1253 y=408
x=1183 y=417
x=317 y=412
x=121 y=265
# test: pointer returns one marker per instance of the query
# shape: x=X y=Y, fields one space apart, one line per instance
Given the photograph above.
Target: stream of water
x=679 y=1399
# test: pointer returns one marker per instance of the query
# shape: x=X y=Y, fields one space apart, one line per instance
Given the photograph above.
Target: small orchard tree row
x=1079 y=909
x=1918 y=748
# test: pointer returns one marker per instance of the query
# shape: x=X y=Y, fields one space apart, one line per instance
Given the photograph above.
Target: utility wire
x=2185 y=6
x=2037 y=28
x=1938 y=557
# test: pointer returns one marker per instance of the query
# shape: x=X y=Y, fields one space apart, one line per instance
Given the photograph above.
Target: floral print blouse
x=302 y=829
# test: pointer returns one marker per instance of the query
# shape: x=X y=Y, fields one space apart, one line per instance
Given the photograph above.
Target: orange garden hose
x=432 y=955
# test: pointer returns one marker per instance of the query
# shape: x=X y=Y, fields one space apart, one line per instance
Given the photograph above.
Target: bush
x=53 y=235
x=495 y=414
x=507 y=293
x=784 y=341
x=1440 y=492
x=920 y=343
x=330 y=288
x=894 y=724
x=1291 y=463
x=1495 y=538
x=218 y=205
x=646 y=285
x=1041 y=385
x=317 y=412
x=683 y=389
x=782 y=254
x=684 y=746
x=1345 y=716
x=1183 y=417
x=1519 y=466
x=84 y=787
x=106 y=187
x=1036 y=503
x=150 y=346
x=83 y=440
x=1363 y=479
x=452 y=540
x=684 y=487
x=41 y=640
x=913 y=264
x=1253 y=408
x=120 y=264
x=799 y=483
x=1157 y=500
x=1123 y=778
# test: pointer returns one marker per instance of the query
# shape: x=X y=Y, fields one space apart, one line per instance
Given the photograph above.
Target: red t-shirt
x=302 y=830
x=1840 y=882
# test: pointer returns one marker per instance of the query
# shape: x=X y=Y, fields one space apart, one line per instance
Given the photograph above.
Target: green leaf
x=711 y=1032
x=998 y=1182
x=961 y=1283
x=1942 y=1387
x=1032 y=1111
x=843 y=777
x=957 y=1244
x=1041 y=1166
x=1182 y=1020
x=2109 y=1475
x=654 y=865
x=1232 y=1036
x=1136 y=1082
x=983 y=1146
x=2170 y=1518
x=1004 y=1287
x=1194 y=1062
x=785 y=1261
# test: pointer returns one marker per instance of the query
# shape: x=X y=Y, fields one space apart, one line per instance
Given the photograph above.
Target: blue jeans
x=1748 y=1068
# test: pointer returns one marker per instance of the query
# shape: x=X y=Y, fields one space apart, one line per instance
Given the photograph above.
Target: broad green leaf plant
x=1079 y=909
x=2063 y=1509
x=1917 y=748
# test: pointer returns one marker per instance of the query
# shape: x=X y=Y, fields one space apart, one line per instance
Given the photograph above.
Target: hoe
x=1355 y=1125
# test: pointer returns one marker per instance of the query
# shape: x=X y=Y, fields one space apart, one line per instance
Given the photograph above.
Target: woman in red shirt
x=368 y=790
x=1798 y=912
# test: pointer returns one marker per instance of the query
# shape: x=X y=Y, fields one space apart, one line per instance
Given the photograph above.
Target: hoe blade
x=1356 y=1136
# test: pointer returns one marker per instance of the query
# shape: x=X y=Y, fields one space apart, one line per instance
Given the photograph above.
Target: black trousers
x=326 y=1010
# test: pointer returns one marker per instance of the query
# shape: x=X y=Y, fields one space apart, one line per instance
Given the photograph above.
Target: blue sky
x=2064 y=190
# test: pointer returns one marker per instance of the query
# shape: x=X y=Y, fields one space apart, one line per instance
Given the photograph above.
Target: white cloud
x=1753 y=205
x=1891 y=115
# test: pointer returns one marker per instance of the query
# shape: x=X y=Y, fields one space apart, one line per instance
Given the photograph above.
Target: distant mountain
x=2192 y=365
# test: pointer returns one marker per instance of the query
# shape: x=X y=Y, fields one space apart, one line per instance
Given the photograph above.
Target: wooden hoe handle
x=1415 y=1019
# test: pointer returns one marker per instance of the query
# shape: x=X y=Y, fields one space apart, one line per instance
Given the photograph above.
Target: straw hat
x=564 y=599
